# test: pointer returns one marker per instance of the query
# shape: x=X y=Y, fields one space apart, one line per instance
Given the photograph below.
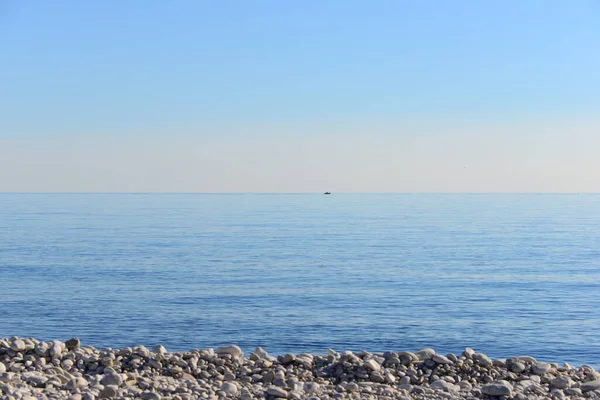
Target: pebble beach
x=33 y=369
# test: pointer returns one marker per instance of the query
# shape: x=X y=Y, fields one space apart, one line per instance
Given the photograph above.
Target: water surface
x=504 y=274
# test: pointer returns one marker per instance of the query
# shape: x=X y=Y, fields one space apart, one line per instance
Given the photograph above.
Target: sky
x=299 y=96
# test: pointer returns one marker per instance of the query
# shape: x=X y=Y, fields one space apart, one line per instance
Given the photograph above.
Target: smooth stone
x=2 y=368
x=277 y=392
x=573 y=392
x=440 y=359
x=56 y=348
x=18 y=345
x=262 y=353
x=592 y=376
x=518 y=367
x=159 y=349
x=377 y=377
x=229 y=388
x=541 y=368
x=497 y=388
x=76 y=383
x=407 y=357
x=499 y=363
x=233 y=350
x=372 y=365
x=469 y=352
x=112 y=379
x=88 y=396
x=311 y=387
x=73 y=344
x=150 y=396
x=527 y=359
x=482 y=360
x=442 y=385
x=34 y=378
x=352 y=387
x=561 y=382
x=108 y=392
x=286 y=359
x=425 y=354
x=589 y=386
x=142 y=351
x=389 y=377
x=524 y=384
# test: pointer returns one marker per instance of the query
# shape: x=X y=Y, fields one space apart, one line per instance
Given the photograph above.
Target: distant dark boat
x=327 y=193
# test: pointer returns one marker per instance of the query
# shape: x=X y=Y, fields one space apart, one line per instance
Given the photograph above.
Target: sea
x=504 y=274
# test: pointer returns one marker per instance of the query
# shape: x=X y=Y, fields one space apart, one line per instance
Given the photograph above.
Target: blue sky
x=261 y=93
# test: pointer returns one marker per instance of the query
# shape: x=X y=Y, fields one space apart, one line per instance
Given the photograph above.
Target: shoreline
x=33 y=369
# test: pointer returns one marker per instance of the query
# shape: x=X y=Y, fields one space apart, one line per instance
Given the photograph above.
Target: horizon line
x=306 y=193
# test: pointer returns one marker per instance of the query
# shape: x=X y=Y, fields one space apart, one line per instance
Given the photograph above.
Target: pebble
x=482 y=360
x=425 y=354
x=589 y=386
x=518 y=367
x=498 y=388
x=372 y=365
x=561 y=382
x=56 y=371
x=229 y=388
x=76 y=383
x=159 y=349
x=108 y=392
x=440 y=359
x=277 y=392
x=17 y=345
x=541 y=368
x=112 y=379
x=72 y=343
x=232 y=350
x=445 y=386
x=150 y=396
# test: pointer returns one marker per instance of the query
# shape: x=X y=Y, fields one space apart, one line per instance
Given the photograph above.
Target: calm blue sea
x=504 y=274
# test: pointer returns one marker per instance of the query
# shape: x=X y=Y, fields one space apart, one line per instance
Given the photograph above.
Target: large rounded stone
x=159 y=349
x=233 y=350
x=18 y=345
x=561 y=382
x=442 y=385
x=377 y=377
x=425 y=354
x=72 y=344
x=76 y=383
x=469 y=352
x=541 y=368
x=372 y=365
x=497 y=388
x=518 y=367
x=108 y=392
x=112 y=379
x=150 y=396
x=589 y=386
x=440 y=359
x=482 y=360
x=230 y=388
x=277 y=392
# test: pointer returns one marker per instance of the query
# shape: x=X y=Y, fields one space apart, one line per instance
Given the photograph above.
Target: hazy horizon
x=269 y=97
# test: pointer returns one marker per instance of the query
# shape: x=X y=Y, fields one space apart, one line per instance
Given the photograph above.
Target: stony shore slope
x=33 y=369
